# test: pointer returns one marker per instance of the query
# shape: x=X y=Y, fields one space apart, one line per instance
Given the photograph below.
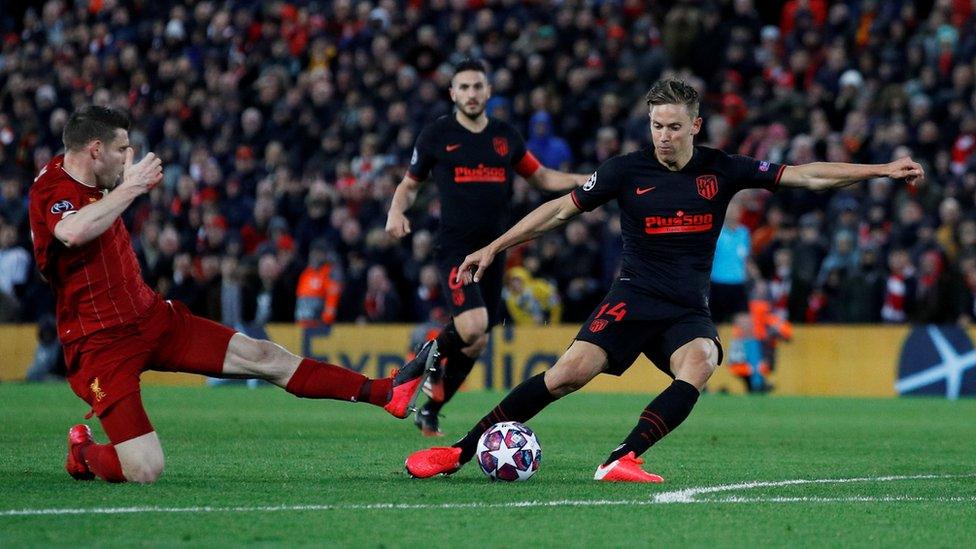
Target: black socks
x=521 y=404
x=661 y=416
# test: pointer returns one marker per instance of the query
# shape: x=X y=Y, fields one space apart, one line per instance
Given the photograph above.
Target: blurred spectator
x=935 y=301
x=353 y=288
x=421 y=254
x=729 y=277
x=184 y=284
x=48 y=363
x=15 y=263
x=231 y=287
x=256 y=231
x=319 y=287
x=950 y=214
x=905 y=232
x=808 y=252
x=577 y=268
x=607 y=144
x=381 y=303
x=208 y=276
x=765 y=234
x=843 y=258
x=291 y=268
x=551 y=150
x=755 y=335
x=13 y=203
x=148 y=254
x=369 y=163
x=429 y=301
x=235 y=206
x=781 y=281
x=316 y=222
x=863 y=293
x=530 y=300
x=265 y=298
x=966 y=296
x=159 y=272
x=899 y=298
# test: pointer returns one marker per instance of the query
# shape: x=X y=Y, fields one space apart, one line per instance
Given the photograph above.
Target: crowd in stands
x=285 y=126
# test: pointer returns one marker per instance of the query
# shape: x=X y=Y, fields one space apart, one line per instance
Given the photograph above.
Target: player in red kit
x=113 y=326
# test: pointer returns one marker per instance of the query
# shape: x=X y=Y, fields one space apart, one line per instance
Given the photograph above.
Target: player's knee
x=478 y=344
x=265 y=351
x=144 y=475
x=563 y=386
x=259 y=355
x=696 y=363
x=569 y=376
x=145 y=470
x=473 y=333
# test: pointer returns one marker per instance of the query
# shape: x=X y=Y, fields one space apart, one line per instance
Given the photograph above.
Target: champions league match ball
x=509 y=451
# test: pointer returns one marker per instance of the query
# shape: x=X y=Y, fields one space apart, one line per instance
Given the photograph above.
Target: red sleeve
x=48 y=205
x=528 y=165
x=59 y=200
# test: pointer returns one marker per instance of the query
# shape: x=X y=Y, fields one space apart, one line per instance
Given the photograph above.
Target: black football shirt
x=473 y=173
x=670 y=220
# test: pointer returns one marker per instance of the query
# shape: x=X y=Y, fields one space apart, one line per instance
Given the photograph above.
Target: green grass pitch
x=240 y=464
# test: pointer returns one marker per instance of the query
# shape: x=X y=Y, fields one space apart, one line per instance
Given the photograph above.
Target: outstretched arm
x=94 y=219
x=404 y=196
x=555 y=180
x=819 y=176
x=546 y=217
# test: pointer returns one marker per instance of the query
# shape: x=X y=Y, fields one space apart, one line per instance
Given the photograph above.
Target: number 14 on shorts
x=617 y=312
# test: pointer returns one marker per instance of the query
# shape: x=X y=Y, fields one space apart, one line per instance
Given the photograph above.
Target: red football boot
x=625 y=469
x=408 y=380
x=78 y=436
x=433 y=461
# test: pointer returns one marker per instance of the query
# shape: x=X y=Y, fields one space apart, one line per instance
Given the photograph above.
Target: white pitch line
x=455 y=506
x=849 y=499
x=685 y=496
x=323 y=507
x=688 y=495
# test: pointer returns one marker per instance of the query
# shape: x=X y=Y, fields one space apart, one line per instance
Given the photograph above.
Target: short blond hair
x=671 y=91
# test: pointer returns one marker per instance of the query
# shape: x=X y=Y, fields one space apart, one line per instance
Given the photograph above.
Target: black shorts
x=486 y=293
x=628 y=322
x=727 y=300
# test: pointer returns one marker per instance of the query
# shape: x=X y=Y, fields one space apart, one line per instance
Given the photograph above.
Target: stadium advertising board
x=820 y=360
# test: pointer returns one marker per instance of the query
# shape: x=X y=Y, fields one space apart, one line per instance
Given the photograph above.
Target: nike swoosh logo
x=641 y=191
x=452 y=148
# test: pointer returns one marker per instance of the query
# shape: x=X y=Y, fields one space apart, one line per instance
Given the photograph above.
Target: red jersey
x=97 y=285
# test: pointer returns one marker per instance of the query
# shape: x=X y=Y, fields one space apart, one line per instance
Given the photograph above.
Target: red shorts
x=105 y=367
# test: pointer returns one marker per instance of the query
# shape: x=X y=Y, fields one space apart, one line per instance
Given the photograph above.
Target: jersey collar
x=692 y=162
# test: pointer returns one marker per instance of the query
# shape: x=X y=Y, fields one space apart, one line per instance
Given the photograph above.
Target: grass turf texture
x=233 y=447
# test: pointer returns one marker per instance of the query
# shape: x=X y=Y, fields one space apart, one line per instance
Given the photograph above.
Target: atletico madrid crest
x=457 y=296
x=707 y=186
x=501 y=145
x=598 y=324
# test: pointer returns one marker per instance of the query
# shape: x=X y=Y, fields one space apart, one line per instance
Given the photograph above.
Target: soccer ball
x=509 y=451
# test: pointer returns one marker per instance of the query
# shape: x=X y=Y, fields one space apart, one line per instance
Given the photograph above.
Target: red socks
x=103 y=461
x=376 y=391
x=314 y=379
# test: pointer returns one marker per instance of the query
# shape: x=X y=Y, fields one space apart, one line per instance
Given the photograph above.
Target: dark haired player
x=472 y=159
x=673 y=196
x=113 y=326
